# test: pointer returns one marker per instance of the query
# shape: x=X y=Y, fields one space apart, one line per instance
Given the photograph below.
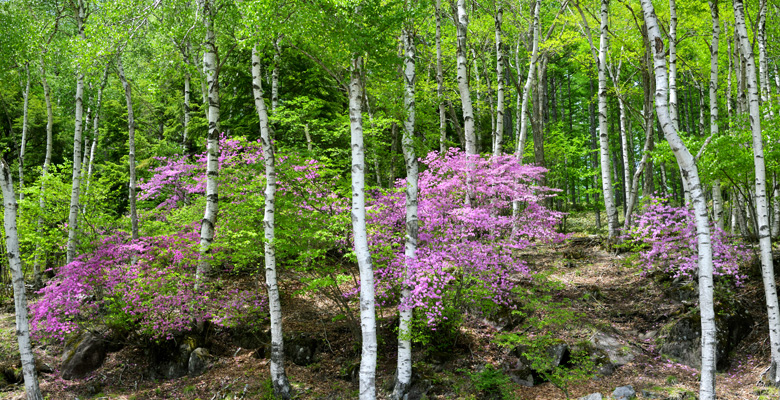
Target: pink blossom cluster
x=668 y=236
x=467 y=250
x=146 y=286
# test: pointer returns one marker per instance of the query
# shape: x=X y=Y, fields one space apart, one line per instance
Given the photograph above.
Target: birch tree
x=762 y=208
x=499 y=140
x=717 y=198
x=33 y=392
x=528 y=87
x=211 y=70
x=404 y=369
x=80 y=14
x=131 y=146
x=688 y=168
x=462 y=24
x=25 y=125
x=278 y=374
x=440 y=83
x=606 y=174
x=367 y=302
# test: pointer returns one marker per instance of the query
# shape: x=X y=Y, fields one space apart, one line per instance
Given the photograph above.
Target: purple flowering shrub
x=467 y=253
x=154 y=296
x=667 y=239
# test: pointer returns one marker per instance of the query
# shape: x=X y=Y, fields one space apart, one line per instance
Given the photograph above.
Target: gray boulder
x=301 y=348
x=83 y=354
x=624 y=393
x=522 y=372
x=619 y=352
x=592 y=396
x=198 y=362
x=681 y=339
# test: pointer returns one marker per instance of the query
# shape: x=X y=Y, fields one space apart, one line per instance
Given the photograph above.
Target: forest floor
x=603 y=285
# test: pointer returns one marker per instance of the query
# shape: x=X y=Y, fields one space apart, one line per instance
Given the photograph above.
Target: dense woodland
x=175 y=167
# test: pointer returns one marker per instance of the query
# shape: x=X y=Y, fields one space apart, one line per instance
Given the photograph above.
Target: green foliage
x=491 y=383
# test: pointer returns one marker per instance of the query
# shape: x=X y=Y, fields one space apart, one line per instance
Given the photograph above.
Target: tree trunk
x=275 y=77
x=33 y=392
x=606 y=176
x=25 y=113
x=187 y=93
x=688 y=167
x=404 y=372
x=593 y=148
x=211 y=70
x=763 y=65
x=762 y=209
x=367 y=307
x=539 y=101
x=499 y=132
x=528 y=87
x=37 y=276
x=131 y=146
x=278 y=375
x=95 y=130
x=717 y=199
x=76 y=177
x=673 y=110
x=440 y=83
x=462 y=23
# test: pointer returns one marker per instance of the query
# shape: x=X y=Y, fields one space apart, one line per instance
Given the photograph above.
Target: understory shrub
x=467 y=254
x=666 y=238
x=145 y=286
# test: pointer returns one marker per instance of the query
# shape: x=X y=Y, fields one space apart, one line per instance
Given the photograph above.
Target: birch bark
x=762 y=209
x=211 y=70
x=528 y=87
x=25 y=119
x=404 y=370
x=462 y=23
x=367 y=306
x=33 y=392
x=278 y=374
x=78 y=129
x=606 y=175
x=37 y=276
x=440 y=83
x=499 y=143
x=95 y=130
x=688 y=167
x=131 y=146
x=717 y=198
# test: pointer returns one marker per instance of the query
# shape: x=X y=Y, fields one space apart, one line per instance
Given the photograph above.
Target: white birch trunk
x=131 y=146
x=606 y=175
x=623 y=136
x=404 y=370
x=76 y=177
x=763 y=64
x=673 y=114
x=278 y=375
x=762 y=208
x=367 y=306
x=210 y=69
x=25 y=114
x=633 y=194
x=499 y=143
x=688 y=167
x=33 y=392
x=775 y=207
x=275 y=77
x=37 y=276
x=717 y=198
x=187 y=94
x=440 y=83
x=528 y=87
x=523 y=116
x=95 y=130
x=462 y=23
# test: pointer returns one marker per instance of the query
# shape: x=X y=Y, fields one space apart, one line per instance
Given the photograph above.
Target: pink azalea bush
x=146 y=286
x=467 y=253
x=668 y=238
